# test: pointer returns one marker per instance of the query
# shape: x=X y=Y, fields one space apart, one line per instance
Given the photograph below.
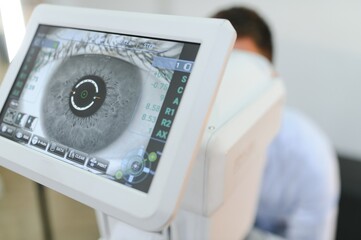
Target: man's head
x=253 y=33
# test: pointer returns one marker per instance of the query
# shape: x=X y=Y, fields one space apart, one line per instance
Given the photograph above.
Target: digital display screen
x=103 y=102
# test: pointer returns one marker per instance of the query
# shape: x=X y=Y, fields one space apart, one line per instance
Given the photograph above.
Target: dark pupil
x=87 y=96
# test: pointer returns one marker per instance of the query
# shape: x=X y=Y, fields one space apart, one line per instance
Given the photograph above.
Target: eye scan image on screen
x=103 y=102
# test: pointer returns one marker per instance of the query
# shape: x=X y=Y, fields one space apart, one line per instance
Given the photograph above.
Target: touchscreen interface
x=103 y=102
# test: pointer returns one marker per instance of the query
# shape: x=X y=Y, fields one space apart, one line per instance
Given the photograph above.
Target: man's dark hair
x=249 y=24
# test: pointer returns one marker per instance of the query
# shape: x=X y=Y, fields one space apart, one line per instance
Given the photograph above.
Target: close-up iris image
x=90 y=101
x=100 y=95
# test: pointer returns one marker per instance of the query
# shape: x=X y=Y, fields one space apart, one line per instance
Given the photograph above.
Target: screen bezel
x=152 y=210
x=187 y=53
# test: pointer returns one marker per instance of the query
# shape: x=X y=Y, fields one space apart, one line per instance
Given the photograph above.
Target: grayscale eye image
x=96 y=100
x=90 y=100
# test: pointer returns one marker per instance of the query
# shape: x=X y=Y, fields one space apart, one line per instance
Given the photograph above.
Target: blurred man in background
x=300 y=187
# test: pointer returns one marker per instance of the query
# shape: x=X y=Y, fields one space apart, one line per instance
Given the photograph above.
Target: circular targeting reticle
x=90 y=100
x=87 y=96
x=135 y=168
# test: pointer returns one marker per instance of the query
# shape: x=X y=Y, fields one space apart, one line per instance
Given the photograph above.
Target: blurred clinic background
x=317 y=53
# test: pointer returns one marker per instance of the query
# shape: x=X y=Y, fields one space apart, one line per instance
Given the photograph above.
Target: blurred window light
x=13 y=23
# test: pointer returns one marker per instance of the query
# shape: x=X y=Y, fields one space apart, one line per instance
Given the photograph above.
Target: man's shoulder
x=303 y=153
x=296 y=126
x=301 y=142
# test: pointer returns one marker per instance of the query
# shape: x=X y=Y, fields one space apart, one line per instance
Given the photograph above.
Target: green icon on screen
x=152 y=156
x=118 y=175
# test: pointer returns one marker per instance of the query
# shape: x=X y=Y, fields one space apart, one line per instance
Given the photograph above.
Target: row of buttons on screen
x=19 y=135
x=20 y=119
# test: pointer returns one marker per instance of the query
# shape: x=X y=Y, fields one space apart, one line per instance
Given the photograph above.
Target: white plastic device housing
x=151 y=211
x=222 y=192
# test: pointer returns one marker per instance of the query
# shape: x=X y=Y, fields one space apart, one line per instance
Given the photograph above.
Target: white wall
x=318 y=53
x=151 y=6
